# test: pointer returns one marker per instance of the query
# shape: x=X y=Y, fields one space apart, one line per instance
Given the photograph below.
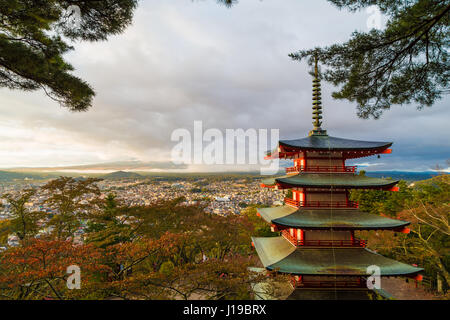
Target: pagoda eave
x=324 y=219
x=329 y=143
x=386 y=187
x=346 y=154
x=329 y=181
x=278 y=254
x=338 y=227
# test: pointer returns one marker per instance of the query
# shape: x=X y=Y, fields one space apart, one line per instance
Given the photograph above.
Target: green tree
x=430 y=238
x=72 y=199
x=32 y=44
x=404 y=63
x=259 y=227
x=23 y=223
x=110 y=225
x=99 y=220
x=289 y=194
x=425 y=205
x=382 y=202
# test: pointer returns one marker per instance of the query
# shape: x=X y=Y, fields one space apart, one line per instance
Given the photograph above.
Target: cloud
x=182 y=61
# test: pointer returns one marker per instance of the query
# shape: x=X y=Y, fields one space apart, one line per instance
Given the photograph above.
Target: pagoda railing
x=291 y=202
x=357 y=283
x=343 y=169
x=323 y=243
x=287 y=235
x=332 y=243
x=320 y=204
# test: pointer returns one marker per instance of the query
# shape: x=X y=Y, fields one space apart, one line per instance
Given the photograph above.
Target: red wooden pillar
x=305 y=197
x=300 y=236
x=305 y=158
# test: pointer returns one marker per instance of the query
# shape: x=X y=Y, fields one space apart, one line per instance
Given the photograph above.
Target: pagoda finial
x=317 y=103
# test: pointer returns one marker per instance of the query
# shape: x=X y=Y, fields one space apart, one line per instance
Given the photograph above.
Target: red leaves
x=41 y=261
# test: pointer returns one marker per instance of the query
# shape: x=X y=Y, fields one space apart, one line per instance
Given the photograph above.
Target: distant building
x=223 y=199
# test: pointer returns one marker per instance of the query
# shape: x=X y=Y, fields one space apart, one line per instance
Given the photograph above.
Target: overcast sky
x=182 y=61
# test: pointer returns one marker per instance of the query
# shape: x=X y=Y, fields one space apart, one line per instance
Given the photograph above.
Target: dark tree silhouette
x=407 y=62
x=32 y=44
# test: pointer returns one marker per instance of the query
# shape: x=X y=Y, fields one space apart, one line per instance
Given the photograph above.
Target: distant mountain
x=128 y=169
x=402 y=175
x=122 y=175
x=118 y=165
x=10 y=176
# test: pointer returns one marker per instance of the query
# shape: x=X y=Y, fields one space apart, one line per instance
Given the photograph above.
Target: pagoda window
x=327 y=282
x=327 y=197
x=328 y=235
x=324 y=163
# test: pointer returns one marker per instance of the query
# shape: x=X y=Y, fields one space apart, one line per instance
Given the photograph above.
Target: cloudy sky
x=185 y=60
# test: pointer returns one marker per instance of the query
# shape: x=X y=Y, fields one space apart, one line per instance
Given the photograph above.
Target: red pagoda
x=317 y=246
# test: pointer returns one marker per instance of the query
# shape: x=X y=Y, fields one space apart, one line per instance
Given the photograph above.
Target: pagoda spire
x=317 y=103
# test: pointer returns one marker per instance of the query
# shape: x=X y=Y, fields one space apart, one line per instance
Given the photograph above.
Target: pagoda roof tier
x=328 y=143
x=329 y=180
x=338 y=219
x=277 y=253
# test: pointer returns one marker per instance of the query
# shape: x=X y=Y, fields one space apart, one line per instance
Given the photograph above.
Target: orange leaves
x=130 y=253
x=41 y=262
x=163 y=251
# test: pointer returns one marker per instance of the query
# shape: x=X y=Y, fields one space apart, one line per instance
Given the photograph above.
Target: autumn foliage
x=168 y=250
x=39 y=269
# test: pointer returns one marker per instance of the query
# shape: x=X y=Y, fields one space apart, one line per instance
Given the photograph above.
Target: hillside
x=444 y=178
x=10 y=176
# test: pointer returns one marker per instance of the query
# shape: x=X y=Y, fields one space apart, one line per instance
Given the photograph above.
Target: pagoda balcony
x=357 y=283
x=320 y=204
x=338 y=169
x=324 y=243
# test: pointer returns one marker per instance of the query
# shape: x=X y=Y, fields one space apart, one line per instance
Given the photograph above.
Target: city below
x=221 y=194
